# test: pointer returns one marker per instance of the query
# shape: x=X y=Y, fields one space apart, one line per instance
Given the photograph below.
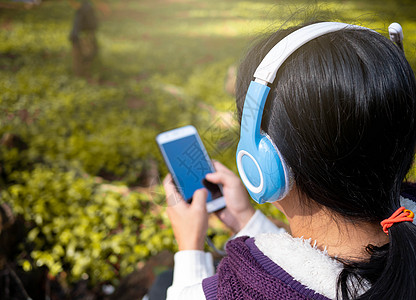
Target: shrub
x=85 y=228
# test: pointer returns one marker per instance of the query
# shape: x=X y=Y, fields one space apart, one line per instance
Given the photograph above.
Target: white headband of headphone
x=266 y=71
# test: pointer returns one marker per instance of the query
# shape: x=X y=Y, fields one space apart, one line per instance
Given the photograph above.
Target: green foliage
x=82 y=227
x=207 y=84
x=105 y=130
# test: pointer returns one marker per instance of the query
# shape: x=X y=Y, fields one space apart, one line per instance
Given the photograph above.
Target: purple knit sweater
x=246 y=273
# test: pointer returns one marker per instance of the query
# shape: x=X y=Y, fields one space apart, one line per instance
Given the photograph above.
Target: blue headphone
x=259 y=162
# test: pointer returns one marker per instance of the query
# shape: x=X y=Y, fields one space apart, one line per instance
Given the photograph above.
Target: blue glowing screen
x=189 y=166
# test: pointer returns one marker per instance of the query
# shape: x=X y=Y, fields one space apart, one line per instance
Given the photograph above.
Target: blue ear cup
x=259 y=162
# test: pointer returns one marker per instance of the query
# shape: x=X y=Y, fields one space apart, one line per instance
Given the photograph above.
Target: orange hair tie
x=400 y=215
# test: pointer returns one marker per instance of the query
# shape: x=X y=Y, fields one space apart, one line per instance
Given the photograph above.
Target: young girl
x=340 y=122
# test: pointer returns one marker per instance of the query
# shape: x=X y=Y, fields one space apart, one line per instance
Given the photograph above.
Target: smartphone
x=188 y=162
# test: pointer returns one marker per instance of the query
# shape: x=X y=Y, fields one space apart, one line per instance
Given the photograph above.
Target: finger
x=199 y=199
x=221 y=178
x=169 y=185
x=221 y=168
x=172 y=195
x=217 y=177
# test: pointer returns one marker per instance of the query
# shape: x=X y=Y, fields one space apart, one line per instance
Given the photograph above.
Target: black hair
x=342 y=113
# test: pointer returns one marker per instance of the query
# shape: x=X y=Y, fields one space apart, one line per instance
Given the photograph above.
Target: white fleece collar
x=306 y=263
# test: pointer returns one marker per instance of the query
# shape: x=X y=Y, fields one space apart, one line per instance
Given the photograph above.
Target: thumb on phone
x=199 y=199
x=172 y=195
x=217 y=177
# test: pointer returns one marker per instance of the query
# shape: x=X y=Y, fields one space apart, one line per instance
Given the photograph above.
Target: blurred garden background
x=81 y=207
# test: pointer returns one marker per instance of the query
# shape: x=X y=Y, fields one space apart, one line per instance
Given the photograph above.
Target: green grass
x=162 y=64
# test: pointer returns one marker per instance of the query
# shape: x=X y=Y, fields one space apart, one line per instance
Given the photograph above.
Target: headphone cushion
x=261 y=170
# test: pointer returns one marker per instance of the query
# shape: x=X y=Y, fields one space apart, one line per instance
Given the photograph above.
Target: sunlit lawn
x=172 y=42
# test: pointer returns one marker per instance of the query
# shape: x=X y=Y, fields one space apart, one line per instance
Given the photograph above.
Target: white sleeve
x=191 y=267
x=259 y=223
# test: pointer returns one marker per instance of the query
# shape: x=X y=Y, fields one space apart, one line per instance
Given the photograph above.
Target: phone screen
x=189 y=164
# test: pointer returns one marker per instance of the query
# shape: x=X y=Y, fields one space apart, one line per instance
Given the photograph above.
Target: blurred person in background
x=83 y=35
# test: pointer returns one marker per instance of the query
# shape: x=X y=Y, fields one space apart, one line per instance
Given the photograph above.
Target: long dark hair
x=342 y=113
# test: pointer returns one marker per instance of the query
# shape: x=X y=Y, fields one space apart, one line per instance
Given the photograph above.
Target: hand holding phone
x=239 y=209
x=189 y=221
x=188 y=162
